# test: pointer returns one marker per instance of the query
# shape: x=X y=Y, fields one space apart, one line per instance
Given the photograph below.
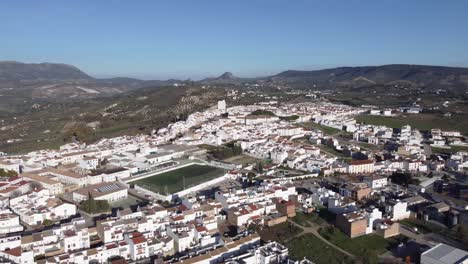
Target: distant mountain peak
x=227 y=76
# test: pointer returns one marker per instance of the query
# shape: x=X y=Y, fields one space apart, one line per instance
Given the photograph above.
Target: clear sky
x=197 y=38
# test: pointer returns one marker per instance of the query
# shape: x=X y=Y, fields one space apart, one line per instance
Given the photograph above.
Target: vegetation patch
x=223 y=152
x=331 y=151
x=242 y=160
x=279 y=233
x=452 y=149
x=92 y=206
x=289 y=118
x=423 y=121
x=459 y=233
x=325 y=129
x=303 y=219
x=8 y=173
x=311 y=247
x=404 y=178
x=367 y=246
x=260 y=112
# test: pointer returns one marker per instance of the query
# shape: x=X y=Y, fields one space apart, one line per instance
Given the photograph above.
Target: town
x=271 y=182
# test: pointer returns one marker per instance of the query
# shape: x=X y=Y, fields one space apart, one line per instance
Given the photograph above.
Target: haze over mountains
x=57 y=82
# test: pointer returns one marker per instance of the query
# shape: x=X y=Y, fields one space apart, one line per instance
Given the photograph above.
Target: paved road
x=430 y=239
x=313 y=229
x=419 y=238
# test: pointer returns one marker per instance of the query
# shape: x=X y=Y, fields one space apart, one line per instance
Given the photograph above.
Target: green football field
x=173 y=181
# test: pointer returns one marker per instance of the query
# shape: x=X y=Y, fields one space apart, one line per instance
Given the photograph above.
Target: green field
x=452 y=149
x=279 y=233
x=303 y=219
x=330 y=150
x=369 y=245
x=320 y=217
x=314 y=249
x=242 y=160
x=325 y=129
x=173 y=181
x=419 y=121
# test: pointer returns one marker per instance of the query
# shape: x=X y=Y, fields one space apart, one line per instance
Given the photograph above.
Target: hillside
x=41 y=112
x=225 y=78
x=17 y=71
x=432 y=77
x=23 y=85
x=52 y=124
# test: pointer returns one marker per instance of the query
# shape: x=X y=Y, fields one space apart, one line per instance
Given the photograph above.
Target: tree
x=262 y=112
x=403 y=178
x=369 y=257
x=251 y=176
x=8 y=173
x=35 y=185
x=91 y=203
x=322 y=173
x=93 y=206
x=260 y=167
x=230 y=149
x=15 y=194
x=79 y=132
x=47 y=222
x=462 y=233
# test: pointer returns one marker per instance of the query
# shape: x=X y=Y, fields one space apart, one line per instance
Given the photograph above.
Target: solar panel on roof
x=108 y=188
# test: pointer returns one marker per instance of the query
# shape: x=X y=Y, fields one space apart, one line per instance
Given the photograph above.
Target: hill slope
x=23 y=85
x=52 y=124
x=413 y=75
x=17 y=71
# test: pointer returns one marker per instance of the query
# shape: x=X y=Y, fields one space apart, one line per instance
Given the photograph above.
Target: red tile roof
x=14 y=251
x=138 y=240
x=361 y=162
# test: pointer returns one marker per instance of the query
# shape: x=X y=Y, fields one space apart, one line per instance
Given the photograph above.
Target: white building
x=397 y=209
x=361 y=166
x=40 y=205
x=9 y=222
x=375 y=182
x=222 y=105
x=109 y=191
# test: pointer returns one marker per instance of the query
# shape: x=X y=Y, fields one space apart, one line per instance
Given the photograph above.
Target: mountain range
x=414 y=75
x=13 y=70
x=23 y=83
x=43 y=104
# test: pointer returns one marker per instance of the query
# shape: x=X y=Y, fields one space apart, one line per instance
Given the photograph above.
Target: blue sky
x=194 y=39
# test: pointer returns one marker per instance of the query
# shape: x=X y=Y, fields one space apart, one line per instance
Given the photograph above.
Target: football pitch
x=174 y=181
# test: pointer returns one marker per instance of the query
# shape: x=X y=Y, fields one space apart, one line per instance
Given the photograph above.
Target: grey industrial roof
x=444 y=254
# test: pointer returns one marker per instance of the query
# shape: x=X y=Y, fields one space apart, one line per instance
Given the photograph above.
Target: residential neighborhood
x=218 y=186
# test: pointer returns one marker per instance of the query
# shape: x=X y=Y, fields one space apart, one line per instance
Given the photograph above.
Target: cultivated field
x=419 y=121
x=242 y=160
x=174 y=181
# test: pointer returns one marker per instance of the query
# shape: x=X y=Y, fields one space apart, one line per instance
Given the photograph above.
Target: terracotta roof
x=361 y=162
x=14 y=251
x=138 y=240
